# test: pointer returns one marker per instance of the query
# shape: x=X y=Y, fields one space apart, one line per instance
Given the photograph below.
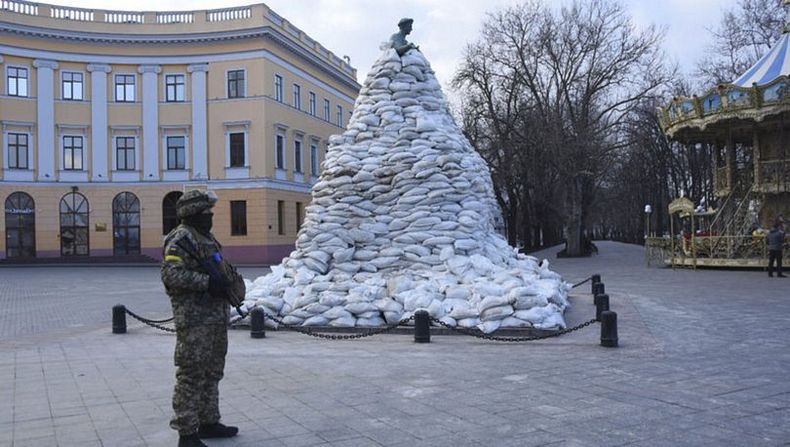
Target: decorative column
x=730 y=159
x=199 y=117
x=99 y=121
x=150 y=121
x=756 y=157
x=716 y=180
x=45 y=116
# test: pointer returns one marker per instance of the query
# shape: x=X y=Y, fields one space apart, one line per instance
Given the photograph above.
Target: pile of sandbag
x=402 y=219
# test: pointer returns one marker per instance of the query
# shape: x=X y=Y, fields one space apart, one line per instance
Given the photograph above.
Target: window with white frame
x=237 y=150
x=279 y=151
x=176 y=153
x=339 y=117
x=314 y=159
x=72 y=153
x=297 y=154
x=124 y=88
x=17 y=150
x=326 y=110
x=297 y=102
x=278 y=88
x=124 y=153
x=311 y=104
x=71 y=86
x=174 y=88
x=17 y=81
x=236 y=84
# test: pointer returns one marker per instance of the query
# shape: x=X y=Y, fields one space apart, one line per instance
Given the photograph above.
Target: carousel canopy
x=772 y=65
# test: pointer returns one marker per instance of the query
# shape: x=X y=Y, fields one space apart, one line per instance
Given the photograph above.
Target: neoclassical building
x=108 y=117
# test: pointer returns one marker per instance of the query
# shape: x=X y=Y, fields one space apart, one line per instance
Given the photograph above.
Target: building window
x=174 y=88
x=279 y=151
x=72 y=153
x=71 y=84
x=124 y=88
x=298 y=216
x=237 y=150
x=311 y=106
x=297 y=155
x=17 y=81
x=297 y=97
x=238 y=217
x=236 y=84
x=278 y=88
x=169 y=216
x=326 y=110
x=280 y=217
x=176 y=153
x=17 y=150
x=124 y=153
x=314 y=160
x=339 y=117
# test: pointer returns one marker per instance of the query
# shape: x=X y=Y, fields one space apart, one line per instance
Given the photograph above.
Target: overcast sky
x=441 y=27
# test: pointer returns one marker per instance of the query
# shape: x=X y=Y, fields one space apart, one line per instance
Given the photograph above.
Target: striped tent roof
x=774 y=63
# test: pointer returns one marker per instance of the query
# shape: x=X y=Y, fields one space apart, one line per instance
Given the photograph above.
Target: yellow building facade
x=108 y=116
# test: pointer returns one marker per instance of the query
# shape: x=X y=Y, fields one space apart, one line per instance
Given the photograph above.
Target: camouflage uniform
x=200 y=320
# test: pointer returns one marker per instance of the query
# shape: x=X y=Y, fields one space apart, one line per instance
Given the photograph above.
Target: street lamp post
x=648 y=210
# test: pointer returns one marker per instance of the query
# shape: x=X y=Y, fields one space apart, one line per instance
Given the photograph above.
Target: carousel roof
x=773 y=64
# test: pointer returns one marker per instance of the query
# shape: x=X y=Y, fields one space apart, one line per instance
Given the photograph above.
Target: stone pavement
x=704 y=360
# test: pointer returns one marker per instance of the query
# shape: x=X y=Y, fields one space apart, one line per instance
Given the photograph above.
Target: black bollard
x=257 y=317
x=601 y=305
x=598 y=289
x=119 y=319
x=422 y=327
x=596 y=278
x=609 y=329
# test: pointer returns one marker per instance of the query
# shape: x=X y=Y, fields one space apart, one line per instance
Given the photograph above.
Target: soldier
x=198 y=293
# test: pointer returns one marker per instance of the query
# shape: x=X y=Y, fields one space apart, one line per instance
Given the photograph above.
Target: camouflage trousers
x=200 y=361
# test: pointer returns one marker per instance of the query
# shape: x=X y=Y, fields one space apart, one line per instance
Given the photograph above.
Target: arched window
x=169 y=218
x=74 y=210
x=20 y=226
x=126 y=224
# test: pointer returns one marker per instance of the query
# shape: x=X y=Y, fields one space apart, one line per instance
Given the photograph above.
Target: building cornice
x=265 y=32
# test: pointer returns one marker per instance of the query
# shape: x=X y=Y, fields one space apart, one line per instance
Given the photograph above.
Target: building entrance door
x=74 y=210
x=20 y=226
x=125 y=224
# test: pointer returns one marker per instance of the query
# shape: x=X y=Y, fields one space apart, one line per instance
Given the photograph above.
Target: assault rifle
x=218 y=270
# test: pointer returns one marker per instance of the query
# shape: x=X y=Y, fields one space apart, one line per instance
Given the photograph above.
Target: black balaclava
x=201 y=222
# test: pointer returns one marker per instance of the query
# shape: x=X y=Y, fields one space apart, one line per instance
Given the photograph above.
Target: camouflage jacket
x=186 y=279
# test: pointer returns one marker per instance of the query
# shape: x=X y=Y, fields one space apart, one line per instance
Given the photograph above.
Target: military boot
x=217 y=430
x=192 y=440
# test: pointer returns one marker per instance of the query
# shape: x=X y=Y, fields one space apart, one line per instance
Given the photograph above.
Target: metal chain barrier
x=153 y=323
x=581 y=282
x=466 y=331
x=307 y=330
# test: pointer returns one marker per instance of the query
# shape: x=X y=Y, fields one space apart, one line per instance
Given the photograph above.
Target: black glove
x=218 y=286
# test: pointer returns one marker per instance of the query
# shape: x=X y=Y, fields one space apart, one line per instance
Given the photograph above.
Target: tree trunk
x=574 y=227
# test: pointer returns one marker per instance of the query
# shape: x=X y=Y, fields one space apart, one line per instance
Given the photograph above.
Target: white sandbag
x=292 y=320
x=393 y=317
x=496 y=313
x=370 y=322
x=514 y=322
x=337 y=312
x=291 y=294
x=468 y=322
x=388 y=305
x=436 y=309
x=493 y=301
x=343 y=322
x=317 y=320
x=360 y=307
x=450 y=321
x=490 y=326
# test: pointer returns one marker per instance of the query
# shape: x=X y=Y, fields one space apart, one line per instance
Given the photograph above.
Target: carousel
x=747 y=125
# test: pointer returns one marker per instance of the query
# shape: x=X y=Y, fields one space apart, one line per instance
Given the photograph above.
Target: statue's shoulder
x=398 y=38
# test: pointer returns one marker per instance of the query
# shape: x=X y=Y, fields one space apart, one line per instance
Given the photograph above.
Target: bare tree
x=573 y=77
x=745 y=34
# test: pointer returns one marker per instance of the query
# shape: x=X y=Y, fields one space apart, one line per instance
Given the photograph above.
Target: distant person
x=200 y=284
x=776 y=245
